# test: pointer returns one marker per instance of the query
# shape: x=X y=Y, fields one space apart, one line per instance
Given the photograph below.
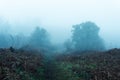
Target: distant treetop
x=85 y=37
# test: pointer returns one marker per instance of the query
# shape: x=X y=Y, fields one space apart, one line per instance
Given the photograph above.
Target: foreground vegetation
x=21 y=65
x=89 y=66
x=31 y=65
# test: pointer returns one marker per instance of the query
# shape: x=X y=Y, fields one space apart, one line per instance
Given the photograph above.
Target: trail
x=50 y=68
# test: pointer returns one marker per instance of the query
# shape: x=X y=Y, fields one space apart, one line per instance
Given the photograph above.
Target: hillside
x=32 y=65
x=21 y=65
x=90 y=65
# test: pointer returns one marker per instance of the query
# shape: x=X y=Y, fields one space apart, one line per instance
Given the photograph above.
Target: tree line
x=85 y=37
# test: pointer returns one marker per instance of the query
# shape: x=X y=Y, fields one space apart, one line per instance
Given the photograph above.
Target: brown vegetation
x=20 y=65
x=94 y=65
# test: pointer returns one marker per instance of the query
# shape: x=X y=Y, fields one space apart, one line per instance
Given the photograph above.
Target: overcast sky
x=58 y=16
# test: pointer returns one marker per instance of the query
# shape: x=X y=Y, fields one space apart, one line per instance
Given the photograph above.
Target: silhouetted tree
x=86 y=37
x=18 y=41
x=40 y=39
x=4 y=34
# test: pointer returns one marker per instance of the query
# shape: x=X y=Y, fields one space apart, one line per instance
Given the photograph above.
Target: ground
x=33 y=65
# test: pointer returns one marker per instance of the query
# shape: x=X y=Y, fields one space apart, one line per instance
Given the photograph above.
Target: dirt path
x=50 y=68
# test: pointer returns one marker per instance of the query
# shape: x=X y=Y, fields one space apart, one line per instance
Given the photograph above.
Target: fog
x=58 y=17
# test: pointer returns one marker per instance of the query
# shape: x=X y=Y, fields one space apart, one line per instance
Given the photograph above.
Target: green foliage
x=64 y=72
x=21 y=65
x=91 y=66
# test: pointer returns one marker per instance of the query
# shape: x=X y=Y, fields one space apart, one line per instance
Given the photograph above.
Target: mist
x=58 y=17
x=59 y=40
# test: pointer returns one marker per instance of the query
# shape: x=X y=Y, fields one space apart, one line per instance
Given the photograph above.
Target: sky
x=58 y=16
